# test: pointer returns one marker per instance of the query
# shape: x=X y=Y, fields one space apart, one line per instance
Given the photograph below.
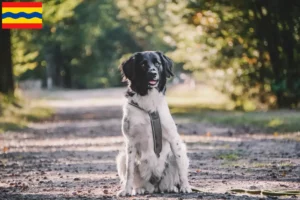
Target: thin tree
x=6 y=68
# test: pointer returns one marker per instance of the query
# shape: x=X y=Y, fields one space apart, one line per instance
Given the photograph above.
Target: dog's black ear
x=127 y=68
x=167 y=64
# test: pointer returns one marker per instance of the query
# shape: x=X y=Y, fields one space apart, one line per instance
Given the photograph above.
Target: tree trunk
x=6 y=72
x=267 y=30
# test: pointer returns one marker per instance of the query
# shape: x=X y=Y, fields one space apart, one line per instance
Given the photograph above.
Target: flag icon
x=22 y=15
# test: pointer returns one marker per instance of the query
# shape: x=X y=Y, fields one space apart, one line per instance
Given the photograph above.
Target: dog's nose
x=153 y=74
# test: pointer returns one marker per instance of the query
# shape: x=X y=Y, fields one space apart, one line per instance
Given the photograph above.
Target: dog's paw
x=149 y=188
x=140 y=191
x=186 y=188
x=174 y=189
x=125 y=192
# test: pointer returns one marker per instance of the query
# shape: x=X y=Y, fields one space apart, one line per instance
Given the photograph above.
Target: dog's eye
x=157 y=64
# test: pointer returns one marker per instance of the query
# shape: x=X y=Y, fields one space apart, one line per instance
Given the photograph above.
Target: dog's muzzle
x=153 y=77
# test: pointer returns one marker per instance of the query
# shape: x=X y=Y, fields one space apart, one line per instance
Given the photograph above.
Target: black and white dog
x=139 y=167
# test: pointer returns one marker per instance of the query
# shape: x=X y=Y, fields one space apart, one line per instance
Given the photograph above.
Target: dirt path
x=72 y=156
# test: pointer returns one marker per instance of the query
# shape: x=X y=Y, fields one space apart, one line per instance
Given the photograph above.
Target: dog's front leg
x=128 y=183
x=179 y=151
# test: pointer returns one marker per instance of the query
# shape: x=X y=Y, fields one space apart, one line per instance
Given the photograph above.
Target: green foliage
x=254 y=45
x=249 y=50
x=79 y=46
x=16 y=112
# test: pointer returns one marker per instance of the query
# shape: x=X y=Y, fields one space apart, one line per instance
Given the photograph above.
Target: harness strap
x=156 y=128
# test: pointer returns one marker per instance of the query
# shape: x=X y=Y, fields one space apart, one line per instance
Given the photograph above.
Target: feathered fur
x=139 y=169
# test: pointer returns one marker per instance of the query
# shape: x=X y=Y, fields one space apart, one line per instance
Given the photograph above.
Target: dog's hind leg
x=170 y=178
x=147 y=187
x=140 y=184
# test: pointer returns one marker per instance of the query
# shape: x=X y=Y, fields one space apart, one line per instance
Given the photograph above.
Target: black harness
x=156 y=128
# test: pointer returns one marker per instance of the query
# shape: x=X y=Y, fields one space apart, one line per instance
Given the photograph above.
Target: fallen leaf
x=208 y=134
x=275 y=134
x=5 y=149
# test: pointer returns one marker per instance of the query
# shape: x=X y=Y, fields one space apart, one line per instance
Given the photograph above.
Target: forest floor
x=72 y=155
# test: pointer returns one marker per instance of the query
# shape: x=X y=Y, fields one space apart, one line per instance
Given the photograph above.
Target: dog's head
x=147 y=70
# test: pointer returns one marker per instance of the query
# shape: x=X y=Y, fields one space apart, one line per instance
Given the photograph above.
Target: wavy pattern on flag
x=21 y=14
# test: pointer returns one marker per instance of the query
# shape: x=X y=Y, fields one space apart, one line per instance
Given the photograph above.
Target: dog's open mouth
x=153 y=82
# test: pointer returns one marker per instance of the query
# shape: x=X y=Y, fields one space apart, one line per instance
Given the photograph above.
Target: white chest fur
x=150 y=102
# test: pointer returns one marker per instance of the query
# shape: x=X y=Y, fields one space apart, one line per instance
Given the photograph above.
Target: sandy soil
x=72 y=156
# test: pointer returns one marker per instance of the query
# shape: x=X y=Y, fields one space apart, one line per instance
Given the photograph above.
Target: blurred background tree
x=249 y=50
x=256 y=46
x=78 y=47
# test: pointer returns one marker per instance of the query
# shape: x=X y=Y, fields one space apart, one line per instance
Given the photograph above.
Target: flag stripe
x=26 y=10
x=21 y=14
x=21 y=4
x=22 y=26
x=22 y=20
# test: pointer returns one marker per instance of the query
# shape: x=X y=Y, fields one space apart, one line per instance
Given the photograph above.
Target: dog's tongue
x=152 y=82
